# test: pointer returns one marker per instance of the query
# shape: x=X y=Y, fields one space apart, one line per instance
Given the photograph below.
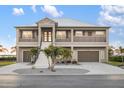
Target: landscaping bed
x=5 y=63
x=115 y=63
x=45 y=71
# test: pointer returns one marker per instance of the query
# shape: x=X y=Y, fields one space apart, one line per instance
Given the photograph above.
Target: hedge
x=116 y=58
x=7 y=58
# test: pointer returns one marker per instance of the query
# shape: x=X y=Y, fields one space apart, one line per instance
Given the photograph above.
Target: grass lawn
x=5 y=63
x=116 y=63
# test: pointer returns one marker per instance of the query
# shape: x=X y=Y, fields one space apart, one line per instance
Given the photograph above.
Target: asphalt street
x=62 y=81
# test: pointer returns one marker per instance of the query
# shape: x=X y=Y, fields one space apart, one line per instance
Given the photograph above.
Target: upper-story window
x=27 y=34
x=89 y=33
x=78 y=33
x=100 y=33
x=61 y=34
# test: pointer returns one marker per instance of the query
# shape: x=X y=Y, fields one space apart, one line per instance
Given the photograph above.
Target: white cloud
x=18 y=11
x=112 y=15
x=34 y=8
x=51 y=10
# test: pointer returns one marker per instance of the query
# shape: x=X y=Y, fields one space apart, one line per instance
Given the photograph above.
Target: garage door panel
x=88 y=56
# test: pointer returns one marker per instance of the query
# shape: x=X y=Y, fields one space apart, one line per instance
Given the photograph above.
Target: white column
x=39 y=35
x=17 y=35
x=107 y=53
x=17 y=48
x=72 y=49
x=53 y=35
x=72 y=35
x=107 y=40
x=17 y=54
x=107 y=35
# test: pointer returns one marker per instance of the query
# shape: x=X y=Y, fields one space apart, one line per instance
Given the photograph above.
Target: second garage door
x=88 y=56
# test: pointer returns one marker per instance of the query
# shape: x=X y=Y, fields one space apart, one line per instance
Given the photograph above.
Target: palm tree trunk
x=53 y=65
x=48 y=63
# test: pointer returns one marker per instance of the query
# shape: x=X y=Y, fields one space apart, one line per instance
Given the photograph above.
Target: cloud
x=52 y=11
x=18 y=11
x=34 y=8
x=111 y=15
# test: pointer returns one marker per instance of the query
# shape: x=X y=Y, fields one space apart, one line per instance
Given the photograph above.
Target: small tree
x=33 y=52
x=66 y=54
x=54 y=53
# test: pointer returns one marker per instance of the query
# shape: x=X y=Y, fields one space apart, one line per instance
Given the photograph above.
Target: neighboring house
x=89 y=43
x=116 y=52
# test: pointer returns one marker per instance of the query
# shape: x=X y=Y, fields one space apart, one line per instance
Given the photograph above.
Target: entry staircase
x=41 y=61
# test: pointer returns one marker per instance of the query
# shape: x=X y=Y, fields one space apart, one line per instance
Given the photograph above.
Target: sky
x=12 y=15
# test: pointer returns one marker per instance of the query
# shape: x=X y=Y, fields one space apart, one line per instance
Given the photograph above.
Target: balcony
x=63 y=40
x=28 y=40
x=90 y=39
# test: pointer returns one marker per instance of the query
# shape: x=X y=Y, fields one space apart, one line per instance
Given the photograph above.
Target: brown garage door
x=88 y=56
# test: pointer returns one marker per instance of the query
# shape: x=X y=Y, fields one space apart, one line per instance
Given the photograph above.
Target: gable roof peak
x=46 y=18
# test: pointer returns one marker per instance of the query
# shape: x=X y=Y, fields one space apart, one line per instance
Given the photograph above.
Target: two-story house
x=89 y=43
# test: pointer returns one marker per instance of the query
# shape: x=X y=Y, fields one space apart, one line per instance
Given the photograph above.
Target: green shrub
x=116 y=58
x=7 y=58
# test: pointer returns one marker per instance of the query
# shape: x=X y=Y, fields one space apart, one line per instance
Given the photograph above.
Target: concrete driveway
x=93 y=68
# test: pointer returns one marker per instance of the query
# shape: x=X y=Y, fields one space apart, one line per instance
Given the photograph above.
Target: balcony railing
x=63 y=40
x=90 y=39
x=28 y=40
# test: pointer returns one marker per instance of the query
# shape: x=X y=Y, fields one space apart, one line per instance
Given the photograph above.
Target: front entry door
x=47 y=36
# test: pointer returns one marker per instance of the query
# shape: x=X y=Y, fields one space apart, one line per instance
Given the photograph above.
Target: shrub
x=116 y=58
x=7 y=58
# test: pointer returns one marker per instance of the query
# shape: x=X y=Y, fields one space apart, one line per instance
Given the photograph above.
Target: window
x=100 y=33
x=89 y=33
x=27 y=34
x=78 y=33
x=47 y=36
x=61 y=34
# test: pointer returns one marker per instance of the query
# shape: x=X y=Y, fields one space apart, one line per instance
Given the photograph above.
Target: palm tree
x=33 y=52
x=56 y=53
x=66 y=54
x=121 y=51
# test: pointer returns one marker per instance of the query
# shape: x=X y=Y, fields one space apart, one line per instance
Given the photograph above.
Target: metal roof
x=70 y=22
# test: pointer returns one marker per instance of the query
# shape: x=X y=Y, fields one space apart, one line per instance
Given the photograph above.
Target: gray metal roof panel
x=70 y=22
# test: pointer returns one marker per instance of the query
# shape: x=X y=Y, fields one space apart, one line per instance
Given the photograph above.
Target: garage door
x=88 y=56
